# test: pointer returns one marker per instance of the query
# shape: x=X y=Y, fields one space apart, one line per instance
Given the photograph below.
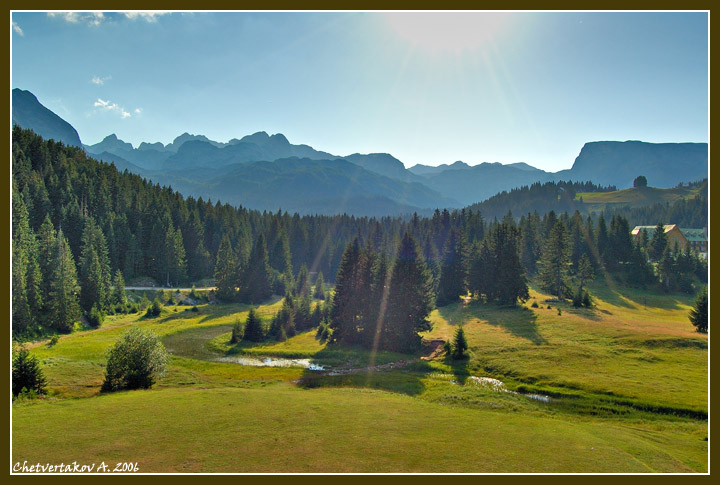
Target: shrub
x=96 y=316
x=447 y=347
x=27 y=376
x=587 y=301
x=534 y=304
x=559 y=311
x=155 y=309
x=135 y=361
x=237 y=332
x=194 y=309
x=53 y=340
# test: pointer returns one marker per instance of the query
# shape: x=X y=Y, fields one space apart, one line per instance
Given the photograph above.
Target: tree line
x=81 y=229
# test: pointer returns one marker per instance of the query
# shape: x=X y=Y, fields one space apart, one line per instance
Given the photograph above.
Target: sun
x=446 y=32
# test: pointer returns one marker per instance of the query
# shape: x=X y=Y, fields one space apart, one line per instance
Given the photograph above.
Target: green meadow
x=623 y=387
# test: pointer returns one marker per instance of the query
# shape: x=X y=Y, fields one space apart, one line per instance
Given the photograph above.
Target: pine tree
x=302 y=285
x=460 y=345
x=118 y=296
x=237 y=332
x=344 y=310
x=454 y=269
x=509 y=283
x=94 y=277
x=658 y=243
x=410 y=299
x=555 y=260
x=257 y=281
x=319 y=293
x=226 y=272
x=699 y=313
x=64 y=306
x=176 y=268
x=26 y=276
x=253 y=327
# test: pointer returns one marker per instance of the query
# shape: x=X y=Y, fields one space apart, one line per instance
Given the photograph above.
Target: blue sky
x=428 y=88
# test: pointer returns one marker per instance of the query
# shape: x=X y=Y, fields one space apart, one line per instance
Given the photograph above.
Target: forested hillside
x=81 y=229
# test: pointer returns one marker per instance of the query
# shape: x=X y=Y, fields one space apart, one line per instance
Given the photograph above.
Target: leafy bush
x=135 y=361
x=155 y=309
x=237 y=332
x=53 y=340
x=534 y=304
x=27 y=376
x=96 y=316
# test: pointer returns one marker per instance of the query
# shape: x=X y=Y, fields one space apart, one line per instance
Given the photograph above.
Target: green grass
x=627 y=380
x=638 y=196
x=285 y=429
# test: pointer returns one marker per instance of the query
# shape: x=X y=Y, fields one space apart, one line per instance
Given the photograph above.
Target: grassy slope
x=211 y=416
x=638 y=196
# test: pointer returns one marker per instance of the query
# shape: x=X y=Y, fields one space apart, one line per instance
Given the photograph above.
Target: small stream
x=270 y=362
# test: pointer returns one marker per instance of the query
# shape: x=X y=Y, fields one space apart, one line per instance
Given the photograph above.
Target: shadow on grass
x=619 y=295
x=361 y=368
x=518 y=320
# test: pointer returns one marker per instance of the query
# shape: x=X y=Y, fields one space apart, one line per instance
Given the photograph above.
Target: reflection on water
x=270 y=362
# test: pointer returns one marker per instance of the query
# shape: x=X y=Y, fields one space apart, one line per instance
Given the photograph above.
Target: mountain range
x=262 y=171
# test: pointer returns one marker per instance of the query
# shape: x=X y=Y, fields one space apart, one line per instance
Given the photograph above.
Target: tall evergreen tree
x=257 y=281
x=410 y=299
x=226 y=273
x=555 y=261
x=344 y=311
x=253 y=327
x=699 y=313
x=319 y=292
x=454 y=269
x=94 y=277
x=63 y=301
x=658 y=243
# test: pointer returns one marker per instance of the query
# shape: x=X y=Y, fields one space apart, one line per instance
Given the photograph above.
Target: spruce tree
x=454 y=269
x=555 y=261
x=658 y=243
x=176 y=264
x=94 y=268
x=319 y=292
x=258 y=284
x=118 y=296
x=460 y=345
x=226 y=272
x=344 y=310
x=253 y=327
x=699 y=313
x=64 y=306
x=410 y=299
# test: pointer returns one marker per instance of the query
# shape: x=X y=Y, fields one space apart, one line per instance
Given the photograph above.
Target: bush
x=534 y=304
x=96 y=316
x=135 y=361
x=237 y=332
x=194 y=309
x=155 y=309
x=587 y=301
x=53 y=340
x=559 y=311
x=27 y=376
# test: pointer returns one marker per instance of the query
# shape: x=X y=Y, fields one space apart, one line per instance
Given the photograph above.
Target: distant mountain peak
x=28 y=112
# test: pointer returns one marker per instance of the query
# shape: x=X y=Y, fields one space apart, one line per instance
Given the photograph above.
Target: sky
x=426 y=87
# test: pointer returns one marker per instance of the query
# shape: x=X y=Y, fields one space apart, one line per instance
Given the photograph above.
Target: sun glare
x=445 y=32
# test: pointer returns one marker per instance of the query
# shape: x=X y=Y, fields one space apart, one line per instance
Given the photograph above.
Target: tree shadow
x=518 y=320
x=336 y=366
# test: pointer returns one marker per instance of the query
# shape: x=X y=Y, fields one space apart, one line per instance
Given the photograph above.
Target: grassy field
x=627 y=384
x=638 y=196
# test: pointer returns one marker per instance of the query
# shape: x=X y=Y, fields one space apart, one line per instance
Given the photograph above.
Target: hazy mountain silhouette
x=27 y=112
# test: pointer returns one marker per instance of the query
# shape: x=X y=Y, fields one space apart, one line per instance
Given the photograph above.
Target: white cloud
x=147 y=16
x=100 y=80
x=91 y=18
x=108 y=106
x=138 y=110
x=17 y=28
